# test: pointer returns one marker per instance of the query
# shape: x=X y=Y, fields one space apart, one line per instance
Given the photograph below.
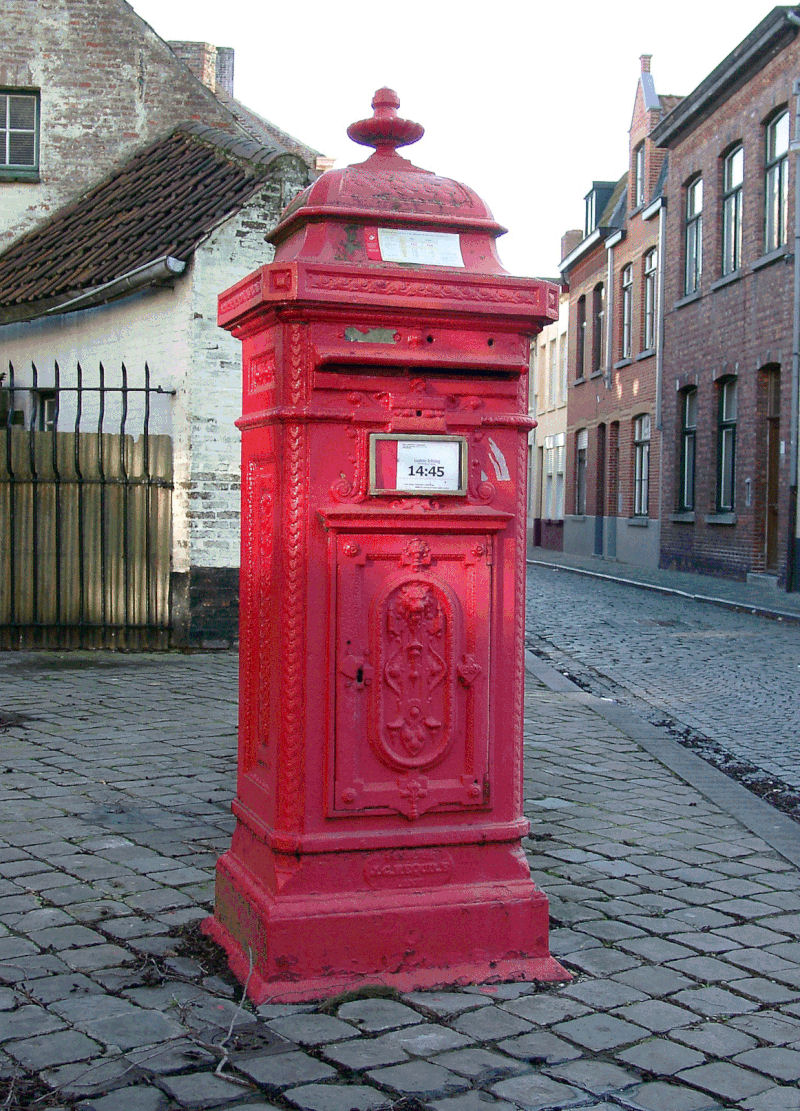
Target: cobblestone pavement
x=675 y=899
x=733 y=677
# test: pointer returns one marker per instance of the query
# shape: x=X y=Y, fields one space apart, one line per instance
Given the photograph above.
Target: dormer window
x=19 y=134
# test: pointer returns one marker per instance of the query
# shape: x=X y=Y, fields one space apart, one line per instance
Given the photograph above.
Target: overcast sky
x=526 y=102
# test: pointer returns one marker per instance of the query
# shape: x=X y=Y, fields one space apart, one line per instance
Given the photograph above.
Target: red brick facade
x=734 y=331
x=612 y=279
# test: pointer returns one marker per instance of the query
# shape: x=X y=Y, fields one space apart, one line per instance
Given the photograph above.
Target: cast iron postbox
x=379 y=800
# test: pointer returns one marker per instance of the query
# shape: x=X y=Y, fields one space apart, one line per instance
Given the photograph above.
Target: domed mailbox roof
x=385 y=231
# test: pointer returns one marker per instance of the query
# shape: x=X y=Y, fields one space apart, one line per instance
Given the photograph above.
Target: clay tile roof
x=265 y=132
x=162 y=202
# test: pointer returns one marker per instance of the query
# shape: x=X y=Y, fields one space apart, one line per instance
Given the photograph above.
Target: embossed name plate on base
x=417 y=464
x=425 y=248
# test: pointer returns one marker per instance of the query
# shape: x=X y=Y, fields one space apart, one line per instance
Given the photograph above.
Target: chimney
x=224 y=74
x=645 y=60
x=212 y=65
x=570 y=240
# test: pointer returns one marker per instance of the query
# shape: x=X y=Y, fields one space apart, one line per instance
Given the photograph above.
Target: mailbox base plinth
x=303 y=947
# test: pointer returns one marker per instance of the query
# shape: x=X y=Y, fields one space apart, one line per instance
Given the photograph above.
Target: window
x=580 y=346
x=694 y=235
x=638 y=176
x=45 y=410
x=551 y=374
x=726 y=445
x=641 y=465
x=598 y=330
x=688 y=436
x=590 y=219
x=562 y=384
x=627 y=310
x=554 y=477
x=649 y=299
x=19 y=133
x=775 y=183
x=581 y=451
x=732 y=176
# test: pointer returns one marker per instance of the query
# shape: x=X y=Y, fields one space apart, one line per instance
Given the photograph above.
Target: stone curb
x=657 y=588
x=779 y=831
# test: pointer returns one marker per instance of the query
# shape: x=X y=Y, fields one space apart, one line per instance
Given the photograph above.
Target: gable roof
x=159 y=205
x=264 y=132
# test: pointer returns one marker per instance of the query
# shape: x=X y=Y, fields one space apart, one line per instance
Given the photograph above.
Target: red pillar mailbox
x=379 y=801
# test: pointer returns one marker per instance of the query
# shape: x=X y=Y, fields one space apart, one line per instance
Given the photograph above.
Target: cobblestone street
x=731 y=676
x=675 y=899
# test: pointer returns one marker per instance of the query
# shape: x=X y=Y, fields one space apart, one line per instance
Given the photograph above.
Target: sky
x=526 y=102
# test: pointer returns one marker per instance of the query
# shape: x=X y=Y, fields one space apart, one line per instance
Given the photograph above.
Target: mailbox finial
x=385 y=130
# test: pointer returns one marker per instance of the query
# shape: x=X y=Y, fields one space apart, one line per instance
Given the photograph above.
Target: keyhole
x=360 y=676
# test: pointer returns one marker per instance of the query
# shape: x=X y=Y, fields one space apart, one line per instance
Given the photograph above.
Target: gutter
x=685 y=114
x=158 y=271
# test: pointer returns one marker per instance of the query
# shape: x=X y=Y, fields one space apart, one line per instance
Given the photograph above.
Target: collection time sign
x=411 y=464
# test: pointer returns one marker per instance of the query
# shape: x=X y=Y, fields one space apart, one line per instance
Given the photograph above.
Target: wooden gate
x=85 y=511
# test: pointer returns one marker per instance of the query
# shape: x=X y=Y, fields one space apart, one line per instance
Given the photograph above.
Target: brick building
x=134 y=188
x=729 y=387
x=613 y=443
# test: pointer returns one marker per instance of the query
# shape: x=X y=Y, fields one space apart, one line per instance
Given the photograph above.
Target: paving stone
x=277 y=1071
x=426 y=1039
x=8 y=999
x=48 y=1050
x=203 y=1089
x=661 y=1057
x=600 y=1031
x=90 y=1078
x=472 y=1101
x=602 y=961
x=134 y=1028
x=656 y=1015
x=491 y=1023
x=479 y=1064
x=539 y=1047
x=544 y=1009
x=716 y=1039
x=177 y=1055
x=714 y=1002
x=778 y=1029
x=95 y=957
x=377 y=1015
x=776 y=1061
x=419 y=1078
x=654 y=981
x=138 y=1098
x=598 y=1077
x=774 y=1099
x=312 y=1029
x=332 y=1097
x=535 y=1092
x=446 y=1002
x=27 y=1022
x=725 y=1080
x=659 y=1096
x=603 y=994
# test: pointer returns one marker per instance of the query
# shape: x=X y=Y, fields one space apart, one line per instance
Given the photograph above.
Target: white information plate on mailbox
x=426 y=248
x=417 y=464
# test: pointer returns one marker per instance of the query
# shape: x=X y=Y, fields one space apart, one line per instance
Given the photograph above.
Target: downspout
x=662 y=220
x=791 y=561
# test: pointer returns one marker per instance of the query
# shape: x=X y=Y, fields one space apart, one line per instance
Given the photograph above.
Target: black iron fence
x=85 y=509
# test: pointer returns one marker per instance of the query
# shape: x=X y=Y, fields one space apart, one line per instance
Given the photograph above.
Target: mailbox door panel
x=412 y=668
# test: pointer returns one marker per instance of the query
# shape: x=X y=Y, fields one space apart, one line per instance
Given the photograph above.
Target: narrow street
x=712 y=675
